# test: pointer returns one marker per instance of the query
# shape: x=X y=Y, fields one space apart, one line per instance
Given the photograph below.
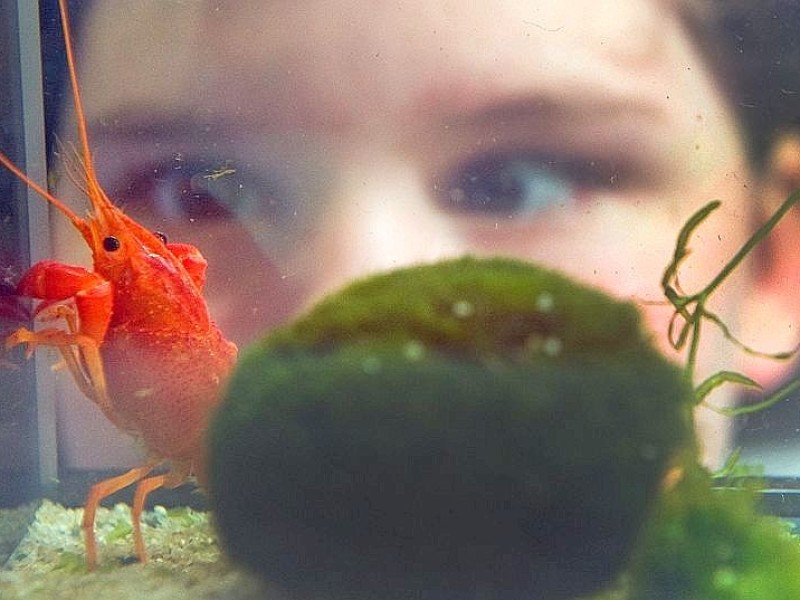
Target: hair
x=752 y=47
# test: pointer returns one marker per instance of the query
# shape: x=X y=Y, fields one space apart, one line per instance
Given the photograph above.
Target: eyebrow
x=544 y=110
x=549 y=107
x=626 y=126
x=129 y=123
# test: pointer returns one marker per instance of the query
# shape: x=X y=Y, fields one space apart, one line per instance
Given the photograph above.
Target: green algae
x=447 y=430
x=712 y=544
x=473 y=307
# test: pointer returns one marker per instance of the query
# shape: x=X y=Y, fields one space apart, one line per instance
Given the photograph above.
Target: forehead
x=337 y=61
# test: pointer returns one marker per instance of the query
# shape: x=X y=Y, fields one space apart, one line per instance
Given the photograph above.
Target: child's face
x=301 y=144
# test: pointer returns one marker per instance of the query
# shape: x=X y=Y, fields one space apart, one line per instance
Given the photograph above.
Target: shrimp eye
x=161 y=235
x=111 y=244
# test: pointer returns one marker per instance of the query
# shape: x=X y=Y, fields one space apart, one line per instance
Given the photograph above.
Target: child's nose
x=381 y=217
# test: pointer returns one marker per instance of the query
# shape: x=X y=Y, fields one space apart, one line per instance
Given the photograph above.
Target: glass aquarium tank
x=27 y=430
x=420 y=300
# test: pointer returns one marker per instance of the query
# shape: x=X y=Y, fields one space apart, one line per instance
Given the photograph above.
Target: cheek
x=621 y=247
x=248 y=293
x=624 y=247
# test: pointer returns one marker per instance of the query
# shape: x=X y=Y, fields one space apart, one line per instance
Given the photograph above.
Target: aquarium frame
x=34 y=158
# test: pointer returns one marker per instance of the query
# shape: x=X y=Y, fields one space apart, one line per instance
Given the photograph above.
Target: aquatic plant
x=706 y=539
x=691 y=312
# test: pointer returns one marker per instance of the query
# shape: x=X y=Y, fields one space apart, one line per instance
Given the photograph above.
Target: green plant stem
x=693 y=319
x=754 y=240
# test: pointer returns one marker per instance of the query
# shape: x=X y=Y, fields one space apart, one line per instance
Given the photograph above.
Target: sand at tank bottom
x=185 y=559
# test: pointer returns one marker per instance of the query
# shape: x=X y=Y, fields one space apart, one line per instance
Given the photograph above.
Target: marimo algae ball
x=476 y=428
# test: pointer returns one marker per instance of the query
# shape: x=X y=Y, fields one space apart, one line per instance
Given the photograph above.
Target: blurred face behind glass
x=301 y=144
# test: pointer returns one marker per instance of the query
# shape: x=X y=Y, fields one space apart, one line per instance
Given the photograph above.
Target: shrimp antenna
x=80 y=115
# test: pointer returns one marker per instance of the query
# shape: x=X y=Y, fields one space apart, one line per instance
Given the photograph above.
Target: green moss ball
x=468 y=429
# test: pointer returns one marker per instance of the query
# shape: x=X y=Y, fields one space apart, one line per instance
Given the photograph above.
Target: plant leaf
x=773 y=398
x=721 y=378
x=681 y=246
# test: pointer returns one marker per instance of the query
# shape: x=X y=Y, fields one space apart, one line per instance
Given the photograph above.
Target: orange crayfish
x=137 y=336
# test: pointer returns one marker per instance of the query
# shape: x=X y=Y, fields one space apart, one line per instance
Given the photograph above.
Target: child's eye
x=519 y=183
x=201 y=191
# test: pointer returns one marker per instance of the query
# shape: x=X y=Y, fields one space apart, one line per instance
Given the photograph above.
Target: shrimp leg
x=102 y=490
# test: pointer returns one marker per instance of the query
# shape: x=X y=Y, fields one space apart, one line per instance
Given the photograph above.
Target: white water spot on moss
x=414 y=350
x=552 y=346
x=462 y=309
x=545 y=302
x=549 y=346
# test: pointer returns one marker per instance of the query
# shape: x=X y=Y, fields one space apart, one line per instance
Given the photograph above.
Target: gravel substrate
x=185 y=560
